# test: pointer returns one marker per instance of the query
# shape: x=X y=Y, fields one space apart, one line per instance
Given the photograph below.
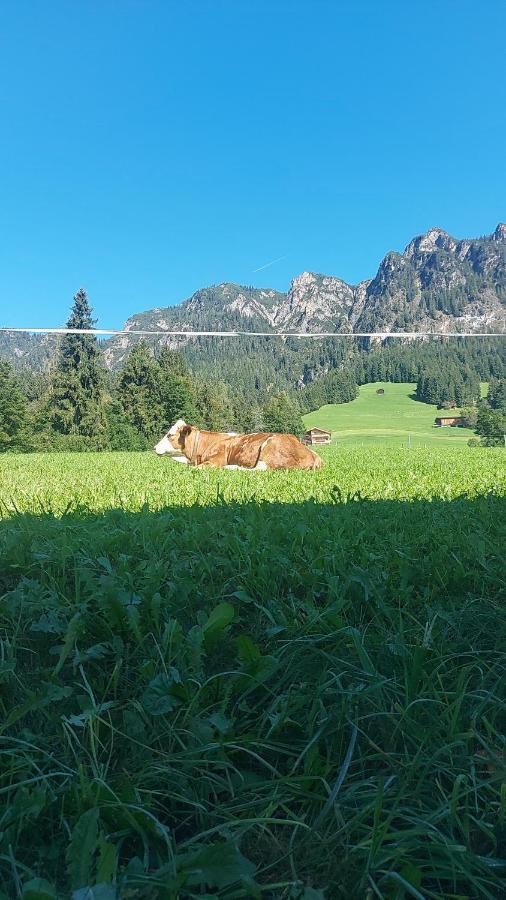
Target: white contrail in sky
x=271 y=263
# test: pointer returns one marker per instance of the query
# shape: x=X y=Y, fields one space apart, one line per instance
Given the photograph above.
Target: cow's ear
x=185 y=431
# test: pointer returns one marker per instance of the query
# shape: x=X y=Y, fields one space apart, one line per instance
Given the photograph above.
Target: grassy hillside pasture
x=253 y=685
x=387 y=419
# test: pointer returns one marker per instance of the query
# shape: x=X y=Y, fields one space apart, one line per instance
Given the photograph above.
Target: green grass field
x=253 y=685
x=387 y=419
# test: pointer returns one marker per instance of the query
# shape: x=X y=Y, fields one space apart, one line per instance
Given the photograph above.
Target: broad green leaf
x=217 y=866
x=49 y=623
x=80 y=720
x=39 y=889
x=195 y=649
x=96 y=892
x=74 y=628
x=82 y=847
x=97 y=651
x=106 y=866
x=247 y=650
x=220 y=722
x=161 y=695
x=221 y=616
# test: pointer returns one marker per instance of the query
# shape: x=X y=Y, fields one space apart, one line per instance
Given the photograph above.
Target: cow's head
x=173 y=441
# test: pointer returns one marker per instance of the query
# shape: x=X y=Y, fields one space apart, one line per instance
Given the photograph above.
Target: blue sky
x=151 y=147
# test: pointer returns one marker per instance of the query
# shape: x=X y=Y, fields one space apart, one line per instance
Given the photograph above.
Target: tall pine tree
x=491 y=426
x=13 y=412
x=152 y=394
x=214 y=406
x=139 y=393
x=177 y=390
x=75 y=404
x=496 y=396
x=281 y=414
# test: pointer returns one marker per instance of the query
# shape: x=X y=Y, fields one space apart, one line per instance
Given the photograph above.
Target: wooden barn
x=317 y=436
x=445 y=421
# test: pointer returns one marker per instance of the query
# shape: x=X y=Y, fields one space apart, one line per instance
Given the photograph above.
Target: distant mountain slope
x=438 y=283
x=393 y=418
x=28 y=351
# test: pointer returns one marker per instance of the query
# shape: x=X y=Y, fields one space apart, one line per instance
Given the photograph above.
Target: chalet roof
x=319 y=430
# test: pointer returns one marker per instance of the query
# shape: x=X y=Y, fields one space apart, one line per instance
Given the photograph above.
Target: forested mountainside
x=28 y=351
x=439 y=283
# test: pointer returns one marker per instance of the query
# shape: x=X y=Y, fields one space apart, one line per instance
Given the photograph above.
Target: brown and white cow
x=227 y=450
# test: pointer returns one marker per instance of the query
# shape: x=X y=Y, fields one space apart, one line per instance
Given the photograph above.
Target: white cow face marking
x=165 y=446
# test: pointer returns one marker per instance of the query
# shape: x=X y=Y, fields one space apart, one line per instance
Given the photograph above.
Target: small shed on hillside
x=452 y=421
x=448 y=404
x=380 y=391
x=317 y=436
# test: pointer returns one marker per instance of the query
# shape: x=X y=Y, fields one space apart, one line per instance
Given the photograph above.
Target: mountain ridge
x=438 y=283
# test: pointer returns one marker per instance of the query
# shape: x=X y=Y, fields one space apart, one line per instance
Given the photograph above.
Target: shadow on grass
x=417 y=399
x=215 y=697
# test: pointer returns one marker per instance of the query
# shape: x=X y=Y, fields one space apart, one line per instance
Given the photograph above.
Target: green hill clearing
x=394 y=418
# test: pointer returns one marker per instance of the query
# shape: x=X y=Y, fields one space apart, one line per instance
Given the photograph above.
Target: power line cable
x=268 y=334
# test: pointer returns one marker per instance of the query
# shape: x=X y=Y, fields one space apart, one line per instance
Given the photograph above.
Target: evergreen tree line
x=406 y=361
x=449 y=386
x=337 y=386
x=256 y=367
x=80 y=405
x=490 y=416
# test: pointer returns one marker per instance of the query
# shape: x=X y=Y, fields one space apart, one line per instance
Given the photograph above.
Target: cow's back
x=272 y=451
x=285 y=451
x=244 y=449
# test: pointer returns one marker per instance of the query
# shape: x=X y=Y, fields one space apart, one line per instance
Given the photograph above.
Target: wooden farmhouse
x=317 y=436
x=444 y=421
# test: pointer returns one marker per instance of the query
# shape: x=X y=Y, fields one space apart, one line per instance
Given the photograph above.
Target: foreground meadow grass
x=231 y=685
x=41 y=482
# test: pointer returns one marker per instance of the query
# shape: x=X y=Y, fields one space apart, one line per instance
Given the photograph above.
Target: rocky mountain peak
x=314 y=301
x=500 y=233
x=433 y=239
x=304 y=281
x=308 y=281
